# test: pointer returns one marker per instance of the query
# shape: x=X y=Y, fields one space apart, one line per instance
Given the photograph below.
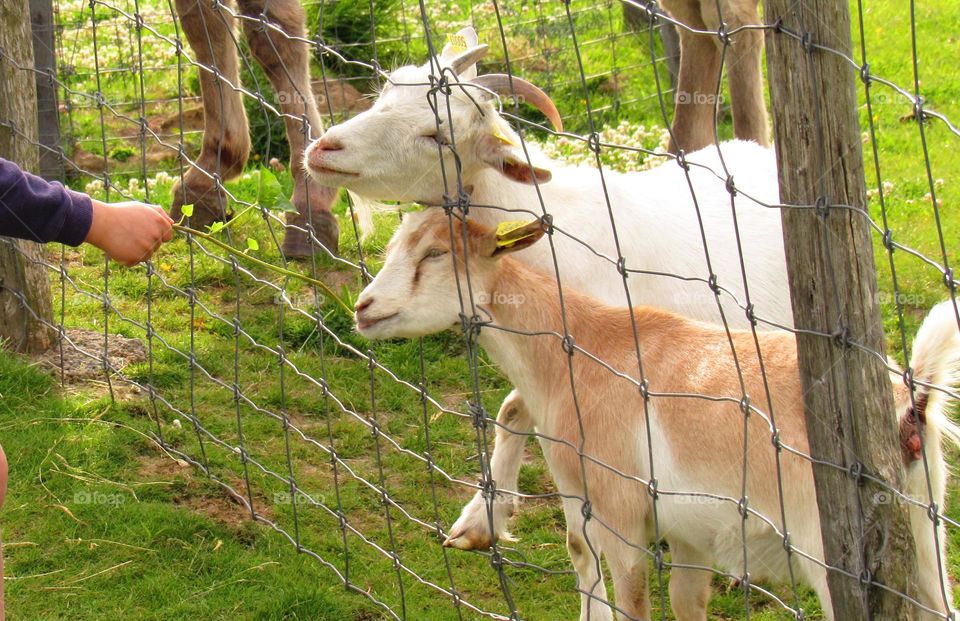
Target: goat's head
x=429 y=124
x=424 y=285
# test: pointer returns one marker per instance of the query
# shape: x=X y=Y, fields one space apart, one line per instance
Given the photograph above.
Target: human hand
x=129 y=232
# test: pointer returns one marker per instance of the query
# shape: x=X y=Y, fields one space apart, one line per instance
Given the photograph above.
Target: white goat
x=420 y=291
x=394 y=151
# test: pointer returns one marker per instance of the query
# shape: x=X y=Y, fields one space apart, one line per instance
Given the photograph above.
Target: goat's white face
x=423 y=286
x=397 y=150
x=416 y=291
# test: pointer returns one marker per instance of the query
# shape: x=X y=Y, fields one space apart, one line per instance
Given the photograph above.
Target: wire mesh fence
x=361 y=453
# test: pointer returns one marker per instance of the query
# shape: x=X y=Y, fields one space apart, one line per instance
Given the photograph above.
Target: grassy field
x=102 y=523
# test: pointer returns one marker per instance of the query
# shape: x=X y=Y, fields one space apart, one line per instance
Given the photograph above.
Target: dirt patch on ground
x=82 y=358
x=222 y=506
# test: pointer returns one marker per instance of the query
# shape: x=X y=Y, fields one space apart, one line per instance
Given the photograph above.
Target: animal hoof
x=297 y=243
x=209 y=206
x=468 y=540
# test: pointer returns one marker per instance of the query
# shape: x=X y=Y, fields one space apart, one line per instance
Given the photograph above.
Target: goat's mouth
x=364 y=324
x=330 y=172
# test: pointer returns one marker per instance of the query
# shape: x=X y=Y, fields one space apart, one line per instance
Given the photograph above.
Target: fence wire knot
x=933 y=512
x=731 y=186
x=478 y=415
x=743 y=506
x=855 y=472
x=888 y=240
x=841 y=337
x=586 y=509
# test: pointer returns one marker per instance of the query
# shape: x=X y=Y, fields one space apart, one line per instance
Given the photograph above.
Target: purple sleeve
x=35 y=209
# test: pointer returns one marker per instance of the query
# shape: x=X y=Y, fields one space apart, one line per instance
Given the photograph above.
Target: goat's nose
x=362 y=306
x=327 y=143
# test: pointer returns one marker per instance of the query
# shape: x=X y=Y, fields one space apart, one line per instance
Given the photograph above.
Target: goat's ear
x=458 y=43
x=514 y=236
x=498 y=151
x=461 y=53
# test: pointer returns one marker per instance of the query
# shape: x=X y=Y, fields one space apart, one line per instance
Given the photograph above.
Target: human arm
x=35 y=209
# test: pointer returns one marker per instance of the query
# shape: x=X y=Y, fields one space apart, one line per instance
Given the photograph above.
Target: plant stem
x=267 y=266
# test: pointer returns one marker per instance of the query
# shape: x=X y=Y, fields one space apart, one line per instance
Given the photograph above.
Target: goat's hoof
x=209 y=206
x=474 y=539
x=297 y=243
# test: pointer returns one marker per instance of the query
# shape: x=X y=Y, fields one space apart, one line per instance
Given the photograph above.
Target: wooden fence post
x=847 y=395
x=48 y=113
x=24 y=282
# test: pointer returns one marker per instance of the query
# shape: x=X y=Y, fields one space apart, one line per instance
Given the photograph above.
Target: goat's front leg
x=583 y=545
x=627 y=559
x=689 y=585
x=226 y=137
x=471 y=531
x=284 y=57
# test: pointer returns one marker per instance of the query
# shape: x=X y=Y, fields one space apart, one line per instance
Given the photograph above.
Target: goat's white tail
x=936 y=360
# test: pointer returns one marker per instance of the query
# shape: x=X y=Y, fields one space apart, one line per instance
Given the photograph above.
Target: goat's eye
x=436 y=139
x=434 y=254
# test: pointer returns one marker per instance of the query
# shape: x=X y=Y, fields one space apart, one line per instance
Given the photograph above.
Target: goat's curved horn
x=467 y=58
x=500 y=83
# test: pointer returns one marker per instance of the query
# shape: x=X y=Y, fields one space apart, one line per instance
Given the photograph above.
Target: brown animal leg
x=695 y=112
x=226 y=139
x=286 y=63
x=745 y=76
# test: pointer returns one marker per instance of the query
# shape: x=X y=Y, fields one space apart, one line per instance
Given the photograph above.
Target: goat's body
x=679 y=357
x=617 y=413
x=656 y=218
x=699 y=475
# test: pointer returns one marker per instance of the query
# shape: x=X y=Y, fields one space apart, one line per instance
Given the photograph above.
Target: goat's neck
x=491 y=190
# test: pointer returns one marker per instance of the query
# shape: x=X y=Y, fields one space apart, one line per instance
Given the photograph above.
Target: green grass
x=101 y=524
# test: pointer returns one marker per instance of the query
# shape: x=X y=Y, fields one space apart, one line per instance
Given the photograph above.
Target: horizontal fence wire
x=358 y=453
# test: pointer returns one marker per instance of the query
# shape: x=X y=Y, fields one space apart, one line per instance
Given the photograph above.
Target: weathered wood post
x=48 y=113
x=24 y=282
x=847 y=396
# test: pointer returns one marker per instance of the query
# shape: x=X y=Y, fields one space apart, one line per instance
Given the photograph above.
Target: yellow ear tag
x=457 y=42
x=509 y=233
x=502 y=137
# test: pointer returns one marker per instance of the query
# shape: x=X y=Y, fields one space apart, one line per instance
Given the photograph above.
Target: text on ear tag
x=457 y=42
x=509 y=233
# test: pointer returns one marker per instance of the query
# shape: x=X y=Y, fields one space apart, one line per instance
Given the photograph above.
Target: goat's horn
x=468 y=57
x=503 y=84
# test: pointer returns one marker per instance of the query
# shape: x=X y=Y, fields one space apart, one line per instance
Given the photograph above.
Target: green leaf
x=252 y=244
x=216 y=227
x=270 y=194
x=187 y=210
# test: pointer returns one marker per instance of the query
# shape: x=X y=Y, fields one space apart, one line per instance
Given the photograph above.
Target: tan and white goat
x=422 y=289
